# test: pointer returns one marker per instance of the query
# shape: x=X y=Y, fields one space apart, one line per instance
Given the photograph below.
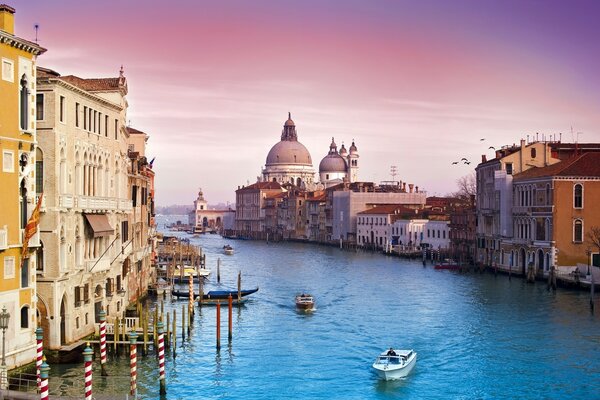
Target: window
x=134 y=195
x=39 y=254
x=9 y=267
x=39 y=171
x=509 y=168
x=85 y=117
x=578 y=196
x=106 y=125
x=578 y=231
x=25 y=273
x=86 y=293
x=116 y=129
x=130 y=148
x=25 y=317
x=24 y=102
x=94 y=120
x=61 y=114
x=124 y=231
x=77 y=295
x=39 y=106
x=8 y=70
x=77 y=115
x=533 y=153
x=8 y=161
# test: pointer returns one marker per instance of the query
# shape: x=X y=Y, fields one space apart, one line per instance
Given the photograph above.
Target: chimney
x=483 y=158
x=7 y=19
x=404 y=186
x=416 y=189
x=410 y=186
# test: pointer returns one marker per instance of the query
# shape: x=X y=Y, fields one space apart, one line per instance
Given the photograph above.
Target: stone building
x=202 y=218
x=336 y=168
x=18 y=194
x=84 y=227
x=250 y=208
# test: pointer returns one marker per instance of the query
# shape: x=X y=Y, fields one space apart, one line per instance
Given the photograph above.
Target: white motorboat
x=395 y=364
x=228 y=250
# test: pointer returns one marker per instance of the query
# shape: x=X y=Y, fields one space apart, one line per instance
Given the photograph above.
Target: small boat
x=227 y=249
x=217 y=295
x=305 y=302
x=394 y=364
x=447 y=264
x=189 y=271
x=161 y=287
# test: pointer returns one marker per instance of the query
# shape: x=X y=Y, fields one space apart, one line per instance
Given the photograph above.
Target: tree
x=467 y=186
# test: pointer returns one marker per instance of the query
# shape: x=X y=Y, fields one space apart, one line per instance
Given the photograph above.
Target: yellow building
x=18 y=194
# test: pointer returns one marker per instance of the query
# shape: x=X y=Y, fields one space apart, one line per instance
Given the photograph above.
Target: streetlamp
x=4 y=317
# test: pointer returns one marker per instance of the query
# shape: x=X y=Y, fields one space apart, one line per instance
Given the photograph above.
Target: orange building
x=554 y=209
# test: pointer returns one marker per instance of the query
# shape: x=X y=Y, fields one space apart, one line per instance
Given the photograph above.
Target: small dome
x=343 y=151
x=332 y=163
x=353 y=149
x=289 y=121
x=289 y=152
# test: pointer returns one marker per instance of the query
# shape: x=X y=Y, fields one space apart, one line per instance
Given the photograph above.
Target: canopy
x=99 y=224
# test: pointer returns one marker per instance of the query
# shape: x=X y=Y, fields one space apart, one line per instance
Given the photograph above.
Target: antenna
x=36 y=27
x=393 y=172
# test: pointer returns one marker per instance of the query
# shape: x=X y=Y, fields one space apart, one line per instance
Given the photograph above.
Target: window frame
x=7 y=78
x=11 y=154
x=575 y=224
x=575 y=196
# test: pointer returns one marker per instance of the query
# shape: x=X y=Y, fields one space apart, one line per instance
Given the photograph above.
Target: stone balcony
x=95 y=203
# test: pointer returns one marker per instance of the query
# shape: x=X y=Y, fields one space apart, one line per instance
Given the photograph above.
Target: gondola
x=214 y=295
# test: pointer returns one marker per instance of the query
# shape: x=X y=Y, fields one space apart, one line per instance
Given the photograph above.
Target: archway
x=540 y=259
x=42 y=320
x=205 y=222
x=523 y=261
x=63 y=320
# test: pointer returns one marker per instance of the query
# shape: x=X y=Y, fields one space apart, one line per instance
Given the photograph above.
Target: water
x=477 y=336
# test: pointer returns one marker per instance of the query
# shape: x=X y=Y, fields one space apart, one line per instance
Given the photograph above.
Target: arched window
x=578 y=196
x=25 y=317
x=578 y=231
x=533 y=153
x=23 y=99
x=39 y=171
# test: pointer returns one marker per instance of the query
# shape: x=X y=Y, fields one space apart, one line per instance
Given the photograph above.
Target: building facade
x=84 y=172
x=202 y=218
x=18 y=196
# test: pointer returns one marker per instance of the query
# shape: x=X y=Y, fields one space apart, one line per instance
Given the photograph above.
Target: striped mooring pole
x=44 y=370
x=161 y=358
x=133 y=362
x=102 y=316
x=39 y=336
x=191 y=299
x=87 y=359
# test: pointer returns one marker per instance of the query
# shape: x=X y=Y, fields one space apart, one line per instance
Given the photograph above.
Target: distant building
x=336 y=168
x=463 y=229
x=202 y=218
x=250 y=208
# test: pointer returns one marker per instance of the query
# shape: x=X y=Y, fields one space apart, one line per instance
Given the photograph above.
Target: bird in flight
x=467 y=162
x=492 y=147
x=463 y=159
x=455 y=162
x=482 y=139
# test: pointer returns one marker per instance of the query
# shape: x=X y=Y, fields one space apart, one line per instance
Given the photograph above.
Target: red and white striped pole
x=133 y=362
x=161 y=357
x=191 y=302
x=87 y=359
x=39 y=336
x=102 y=316
x=44 y=370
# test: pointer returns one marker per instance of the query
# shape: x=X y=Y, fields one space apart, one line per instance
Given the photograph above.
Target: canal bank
x=477 y=336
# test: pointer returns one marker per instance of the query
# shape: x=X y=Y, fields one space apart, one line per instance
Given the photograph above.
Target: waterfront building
x=83 y=172
x=288 y=160
x=419 y=232
x=336 y=168
x=202 y=218
x=18 y=194
x=291 y=213
x=495 y=193
x=139 y=269
x=463 y=229
x=345 y=201
x=555 y=208
x=315 y=216
x=250 y=207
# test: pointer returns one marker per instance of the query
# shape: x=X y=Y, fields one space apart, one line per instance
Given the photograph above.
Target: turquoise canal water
x=477 y=336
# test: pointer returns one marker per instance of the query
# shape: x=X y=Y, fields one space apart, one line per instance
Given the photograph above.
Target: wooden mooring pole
x=218 y=325
x=230 y=306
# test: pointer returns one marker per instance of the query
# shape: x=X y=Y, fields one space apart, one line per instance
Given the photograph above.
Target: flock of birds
x=466 y=160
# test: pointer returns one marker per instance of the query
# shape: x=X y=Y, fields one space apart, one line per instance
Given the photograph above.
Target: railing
x=4 y=238
x=129 y=324
x=22 y=382
x=66 y=201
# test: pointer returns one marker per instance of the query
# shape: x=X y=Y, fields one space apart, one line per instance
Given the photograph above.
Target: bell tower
x=353 y=163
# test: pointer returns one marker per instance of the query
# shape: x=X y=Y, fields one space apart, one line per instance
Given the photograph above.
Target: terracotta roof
x=134 y=131
x=6 y=7
x=42 y=72
x=388 y=209
x=96 y=84
x=321 y=197
x=587 y=164
x=263 y=185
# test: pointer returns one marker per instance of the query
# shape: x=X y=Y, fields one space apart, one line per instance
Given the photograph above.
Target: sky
x=416 y=84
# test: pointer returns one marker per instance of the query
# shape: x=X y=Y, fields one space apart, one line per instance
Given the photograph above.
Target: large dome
x=332 y=163
x=289 y=152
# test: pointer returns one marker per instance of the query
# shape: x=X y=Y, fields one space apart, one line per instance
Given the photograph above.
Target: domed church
x=336 y=167
x=289 y=161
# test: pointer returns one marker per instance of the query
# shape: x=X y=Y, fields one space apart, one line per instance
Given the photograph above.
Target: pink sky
x=416 y=84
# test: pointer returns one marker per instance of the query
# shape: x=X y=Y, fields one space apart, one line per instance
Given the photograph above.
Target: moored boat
x=447 y=264
x=188 y=271
x=394 y=364
x=305 y=302
x=217 y=295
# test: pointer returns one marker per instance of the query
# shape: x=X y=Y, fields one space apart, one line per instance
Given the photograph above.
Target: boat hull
x=216 y=295
x=228 y=252
x=391 y=372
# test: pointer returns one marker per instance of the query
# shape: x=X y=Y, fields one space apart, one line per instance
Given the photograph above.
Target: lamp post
x=4 y=317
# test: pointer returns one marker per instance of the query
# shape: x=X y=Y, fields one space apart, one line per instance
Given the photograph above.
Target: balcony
x=97 y=265
x=66 y=201
x=4 y=238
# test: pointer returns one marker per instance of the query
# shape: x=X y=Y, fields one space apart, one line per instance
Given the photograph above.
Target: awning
x=99 y=224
